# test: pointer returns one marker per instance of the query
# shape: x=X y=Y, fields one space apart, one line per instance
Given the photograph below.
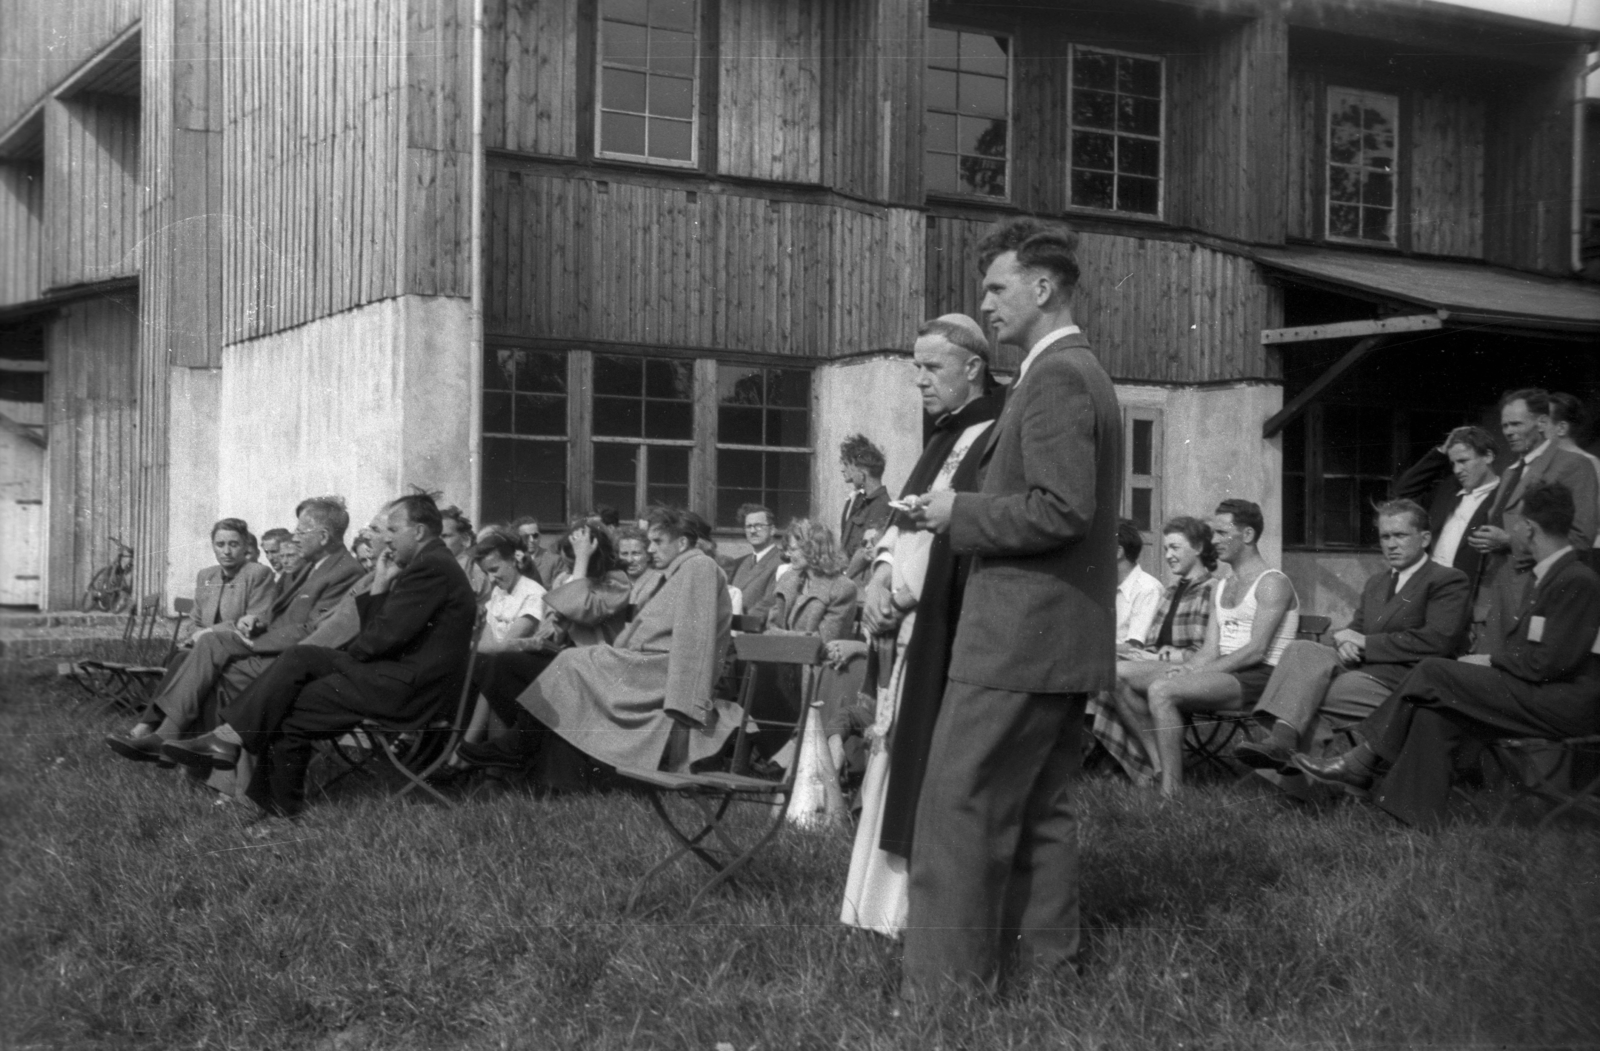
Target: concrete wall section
x=1330 y=583
x=870 y=395
x=195 y=437
x=1214 y=450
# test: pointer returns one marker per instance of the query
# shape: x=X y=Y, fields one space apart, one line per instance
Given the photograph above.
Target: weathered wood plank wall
x=1447 y=155
x=1304 y=181
x=91 y=415
x=1156 y=311
x=530 y=76
x=581 y=259
x=1527 y=175
x=21 y=220
x=438 y=155
x=91 y=223
x=769 y=117
x=43 y=43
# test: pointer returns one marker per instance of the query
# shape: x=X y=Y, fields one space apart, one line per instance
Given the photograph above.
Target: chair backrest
x=1313 y=626
x=138 y=635
x=798 y=650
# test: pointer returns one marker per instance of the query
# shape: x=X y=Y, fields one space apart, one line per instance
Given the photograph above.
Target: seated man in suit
x=866 y=513
x=306 y=600
x=756 y=573
x=409 y=658
x=269 y=548
x=1456 y=482
x=1412 y=609
x=1543 y=680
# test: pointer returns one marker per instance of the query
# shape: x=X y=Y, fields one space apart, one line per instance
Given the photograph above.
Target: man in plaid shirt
x=1176 y=633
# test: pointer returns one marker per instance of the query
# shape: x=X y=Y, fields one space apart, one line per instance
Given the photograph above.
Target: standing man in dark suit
x=995 y=856
x=409 y=658
x=756 y=573
x=1456 y=508
x=866 y=513
x=1542 y=681
x=1412 y=609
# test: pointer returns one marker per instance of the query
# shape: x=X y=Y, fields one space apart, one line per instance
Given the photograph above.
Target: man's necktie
x=1394 y=579
x=1508 y=486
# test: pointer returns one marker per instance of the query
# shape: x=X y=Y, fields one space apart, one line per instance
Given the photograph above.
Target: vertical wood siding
x=769 y=122
x=21 y=218
x=530 y=76
x=1302 y=167
x=91 y=225
x=42 y=42
x=91 y=417
x=1528 y=173
x=575 y=258
x=438 y=154
x=1155 y=311
x=1447 y=174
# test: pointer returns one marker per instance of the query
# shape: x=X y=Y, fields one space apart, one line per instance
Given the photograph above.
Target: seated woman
x=1176 y=634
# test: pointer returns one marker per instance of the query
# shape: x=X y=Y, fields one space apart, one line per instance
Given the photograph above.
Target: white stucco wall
x=361 y=404
x=874 y=396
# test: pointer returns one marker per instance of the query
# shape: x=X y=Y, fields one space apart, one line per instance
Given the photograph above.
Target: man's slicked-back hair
x=957 y=336
x=421 y=510
x=858 y=451
x=232 y=525
x=1038 y=244
x=1407 y=508
x=277 y=533
x=1129 y=540
x=329 y=512
x=668 y=520
x=1244 y=513
x=746 y=510
x=454 y=514
x=1549 y=506
x=1477 y=439
x=1536 y=398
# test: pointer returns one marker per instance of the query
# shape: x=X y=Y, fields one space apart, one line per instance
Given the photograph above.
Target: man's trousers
x=1309 y=679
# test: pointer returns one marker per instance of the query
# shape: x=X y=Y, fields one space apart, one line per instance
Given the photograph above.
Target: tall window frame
x=593 y=456
x=961 y=109
x=648 y=81
x=1143 y=487
x=1117 y=132
x=1361 y=170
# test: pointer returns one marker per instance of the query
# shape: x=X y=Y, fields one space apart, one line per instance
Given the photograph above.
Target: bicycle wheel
x=98 y=596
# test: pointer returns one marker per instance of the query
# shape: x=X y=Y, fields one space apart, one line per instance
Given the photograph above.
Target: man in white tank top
x=1255 y=618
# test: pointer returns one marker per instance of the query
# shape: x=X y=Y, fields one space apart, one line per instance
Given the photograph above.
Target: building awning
x=1465 y=294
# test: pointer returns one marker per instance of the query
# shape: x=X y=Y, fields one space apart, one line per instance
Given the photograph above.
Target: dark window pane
x=671 y=52
x=617 y=417
x=541 y=414
x=739 y=469
x=673 y=14
x=1140 y=116
x=1344 y=220
x=1339 y=524
x=1370 y=493
x=624 y=44
x=542 y=370
x=789 y=470
x=1143 y=446
x=622 y=133
x=1139 y=500
x=1344 y=143
x=671 y=97
x=499 y=369
x=982 y=96
x=619 y=496
x=1091 y=69
x=496 y=412
x=614 y=462
x=1091 y=189
x=791 y=505
x=939 y=172
x=738 y=385
x=665 y=419
x=788 y=427
x=524 y=478
x=790 y=388
x=671 y=140
x=627 y=10
x=1138 y=156
x=983 y=176
x=1294 y=445
x=1294 y=509
x=729 y=502
x=941 y=132
x=1094 y=109
x=1138 y=195
x=1376 y=441
x=739 y=425
x=618 y=375
x=983 y=54
x=1341 y=439
x=1375 y=224
x=667 y=465
x=1343 y=185
x=669 y=379
x=1377 y=188
x=1139 y=76
x=940 y=90
x=1092 y=150
x=667 y=495
x=944 y=47
x=622 y=89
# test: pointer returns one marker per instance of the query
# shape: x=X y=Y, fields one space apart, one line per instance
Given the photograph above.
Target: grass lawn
x=139 y=915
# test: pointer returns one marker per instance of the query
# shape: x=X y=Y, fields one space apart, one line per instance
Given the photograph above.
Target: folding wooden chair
x=125 y=680
x=1532 y=780
x=417 y=748
x=702 y=831
x=1208 y=737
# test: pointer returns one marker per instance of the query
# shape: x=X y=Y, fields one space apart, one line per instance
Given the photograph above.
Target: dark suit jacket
x=755 y=577
x=1565 y=608
x=415 y=636
x=1430 y=483
x=1426 y=618
x=1039 y=611
x=1555 y=465
x=309 y=600
x=869 y=512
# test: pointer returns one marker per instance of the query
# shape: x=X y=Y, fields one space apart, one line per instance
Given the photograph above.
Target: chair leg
x=414 y=781
x=733 y=867
x=687 y=844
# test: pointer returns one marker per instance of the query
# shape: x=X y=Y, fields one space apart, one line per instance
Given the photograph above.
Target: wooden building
x=550 y=254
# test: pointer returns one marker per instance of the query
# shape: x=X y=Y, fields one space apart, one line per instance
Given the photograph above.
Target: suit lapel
x=1074 y=339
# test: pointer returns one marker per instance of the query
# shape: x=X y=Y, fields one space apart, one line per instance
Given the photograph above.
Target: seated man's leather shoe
x=145 y=749
x=205 y=752
x=509 y=750
x=1264 y=755
x=1336 y=771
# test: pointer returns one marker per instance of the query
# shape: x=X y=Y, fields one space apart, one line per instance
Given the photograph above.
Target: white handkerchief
x=1535 y=629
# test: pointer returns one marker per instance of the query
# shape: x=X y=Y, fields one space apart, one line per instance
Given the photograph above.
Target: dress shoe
x=144 y=749
x=509 y=750
x=205 y=752
x=1264 y=755
x=1336 y=771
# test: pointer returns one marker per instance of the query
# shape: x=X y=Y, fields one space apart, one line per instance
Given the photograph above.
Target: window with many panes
x=1362 y=149
x=640 y=430
x=649 y=80
x=1142 y=490
x=763 y=441
x=967 y=122
x=1116 y=130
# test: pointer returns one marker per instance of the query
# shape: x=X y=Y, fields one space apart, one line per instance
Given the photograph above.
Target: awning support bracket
x=1290 y=412
x=1347 y=329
